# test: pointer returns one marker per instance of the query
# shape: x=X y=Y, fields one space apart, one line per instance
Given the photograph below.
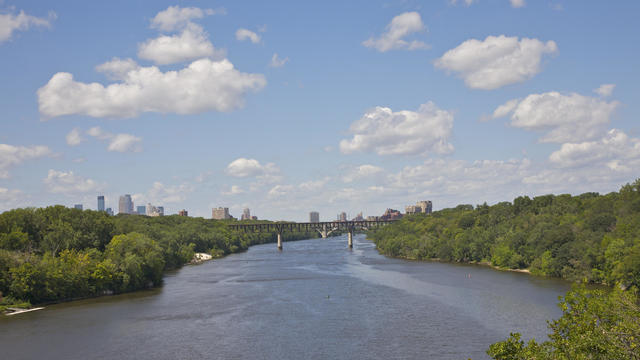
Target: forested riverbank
x=590 y=237
x=56 y=253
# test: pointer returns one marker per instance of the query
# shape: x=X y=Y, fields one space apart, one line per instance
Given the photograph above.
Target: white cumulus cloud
x=192 y=43
x=14 y=155
x=400 y=26
x=125 y=143
x=116 y=68
x=175 y=17
x=563 y=117
x=9 y=23
x=362 y=172
x=401 y=133
x=605 y=90
x=496 y=61
x=243 y=167
x=117 y=142
x=234 y=190
x=615 y=150
x=517 y=3
x=74 y=137
x=204 y=85
x=66 y=182
x=466 y=2
x=277 y=61
x=244 y=34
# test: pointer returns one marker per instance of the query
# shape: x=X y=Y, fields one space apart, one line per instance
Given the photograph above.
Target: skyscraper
x=314 y=217
x=77 y=206
x=141 y=210
x=246 y=214
x=101 y=203
x=125 y=204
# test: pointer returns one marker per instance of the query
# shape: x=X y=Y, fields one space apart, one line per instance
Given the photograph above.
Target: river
x=314 y=300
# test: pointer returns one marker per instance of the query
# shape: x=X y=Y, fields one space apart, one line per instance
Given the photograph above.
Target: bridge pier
x=350 y=237
x=280 y=241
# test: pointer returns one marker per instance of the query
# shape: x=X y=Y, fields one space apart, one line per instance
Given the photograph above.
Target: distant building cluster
x=222 y=213
x=126 y=206
x=154 y=210
x=421 y=207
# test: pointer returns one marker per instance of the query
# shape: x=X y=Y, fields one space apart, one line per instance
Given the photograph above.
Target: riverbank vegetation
x=595 y=324
x=56 y=253
x=590 y=237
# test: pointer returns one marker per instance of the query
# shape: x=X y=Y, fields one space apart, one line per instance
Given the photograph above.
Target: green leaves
x=595 y=324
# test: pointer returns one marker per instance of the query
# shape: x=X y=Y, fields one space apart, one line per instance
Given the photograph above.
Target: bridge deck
x=309 y=226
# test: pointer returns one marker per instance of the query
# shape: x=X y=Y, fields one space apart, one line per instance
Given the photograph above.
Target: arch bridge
x=324 y=228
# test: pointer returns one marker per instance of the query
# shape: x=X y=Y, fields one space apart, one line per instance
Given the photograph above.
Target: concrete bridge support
x=280 y=241
x=351 y=229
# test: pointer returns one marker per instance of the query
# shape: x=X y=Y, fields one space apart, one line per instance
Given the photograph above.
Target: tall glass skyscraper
x=125 y=205
x=100 y=203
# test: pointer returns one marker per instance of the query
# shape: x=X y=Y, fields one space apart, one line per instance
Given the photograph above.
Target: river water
x=314 y=300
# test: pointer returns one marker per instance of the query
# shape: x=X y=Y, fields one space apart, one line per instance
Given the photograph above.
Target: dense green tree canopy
x=57 y=253
x=589 y=237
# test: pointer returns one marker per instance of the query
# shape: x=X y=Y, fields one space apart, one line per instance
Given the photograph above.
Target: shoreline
x=479 y=263
x=202 y=257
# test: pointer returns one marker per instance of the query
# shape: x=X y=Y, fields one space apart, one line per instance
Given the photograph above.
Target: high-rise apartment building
x=424 y=207
x=125 y=204
x=141 y=210
x=183 y=212
x=220 y=213
x=160 y=210
x=77 y=206
x=342 y=216
x=109 y=211
x=101 y=203
x=314 y=217
x=246 y=214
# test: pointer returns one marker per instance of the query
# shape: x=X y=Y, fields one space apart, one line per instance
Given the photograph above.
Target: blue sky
x=287 y=107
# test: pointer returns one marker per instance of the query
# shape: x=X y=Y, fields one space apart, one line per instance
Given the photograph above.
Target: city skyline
x=288 y=107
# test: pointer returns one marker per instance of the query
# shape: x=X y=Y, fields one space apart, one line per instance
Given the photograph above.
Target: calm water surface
x=314 y=300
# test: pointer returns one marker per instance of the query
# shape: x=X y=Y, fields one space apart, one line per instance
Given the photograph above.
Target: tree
x=595 y=324
x=139 y=259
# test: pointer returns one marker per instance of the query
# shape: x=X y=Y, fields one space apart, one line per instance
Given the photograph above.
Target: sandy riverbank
x=199 y=258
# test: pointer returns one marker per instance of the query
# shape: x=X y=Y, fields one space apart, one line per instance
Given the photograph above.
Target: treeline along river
x=314 y=300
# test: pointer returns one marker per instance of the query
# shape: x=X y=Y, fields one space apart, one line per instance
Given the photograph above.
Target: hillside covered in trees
x=589 y=237
x=56 y=253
